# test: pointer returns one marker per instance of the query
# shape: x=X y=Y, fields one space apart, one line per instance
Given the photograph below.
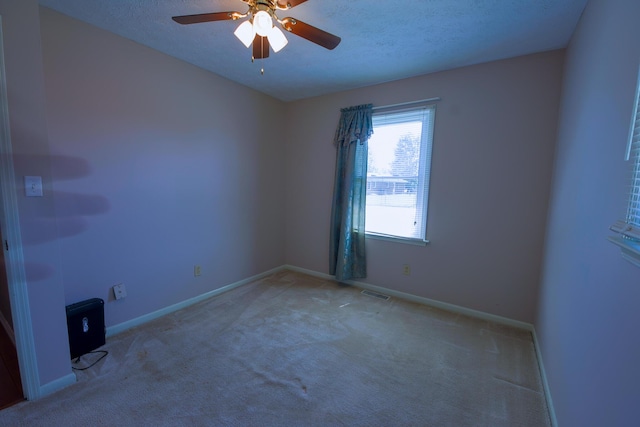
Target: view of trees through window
x=392 y=179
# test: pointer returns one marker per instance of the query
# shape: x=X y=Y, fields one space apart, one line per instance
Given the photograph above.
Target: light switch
x=33 y=186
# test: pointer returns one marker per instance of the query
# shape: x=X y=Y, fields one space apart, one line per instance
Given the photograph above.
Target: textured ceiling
x=382 y=40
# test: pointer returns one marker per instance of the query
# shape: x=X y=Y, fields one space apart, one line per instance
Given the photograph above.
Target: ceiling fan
x=260 y=30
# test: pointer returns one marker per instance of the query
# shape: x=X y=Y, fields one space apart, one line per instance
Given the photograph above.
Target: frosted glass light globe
x=245 y=33
x=262 y=23
x=276 y=38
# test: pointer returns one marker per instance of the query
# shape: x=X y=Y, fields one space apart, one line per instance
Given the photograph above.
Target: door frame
x=12 y=247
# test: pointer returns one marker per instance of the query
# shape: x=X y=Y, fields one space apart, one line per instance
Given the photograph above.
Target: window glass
x=398 y=167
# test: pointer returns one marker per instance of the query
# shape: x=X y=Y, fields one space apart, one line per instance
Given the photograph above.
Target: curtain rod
x=402 y=104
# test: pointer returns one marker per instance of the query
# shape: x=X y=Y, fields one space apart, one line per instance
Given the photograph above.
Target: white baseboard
x=422 y=300
x=5 y=324
x=56 y=385
x=460 y=310
x=543 y=377
x=124 y=326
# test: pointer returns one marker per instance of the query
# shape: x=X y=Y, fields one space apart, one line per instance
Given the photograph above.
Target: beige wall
x=158 y=166
x=587 y=320
x=492 y=157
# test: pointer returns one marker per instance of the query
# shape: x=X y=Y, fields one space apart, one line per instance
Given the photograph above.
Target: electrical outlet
x=196 y=270
x=406 y=269
x=119 y=291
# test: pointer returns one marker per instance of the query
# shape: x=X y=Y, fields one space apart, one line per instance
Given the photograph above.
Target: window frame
x=424 y=166
x=628 y=229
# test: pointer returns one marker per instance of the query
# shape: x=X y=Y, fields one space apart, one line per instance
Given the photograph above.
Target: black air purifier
x=85 y=323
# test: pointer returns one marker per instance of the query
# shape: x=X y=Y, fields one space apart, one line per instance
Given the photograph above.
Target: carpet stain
x=302 y=386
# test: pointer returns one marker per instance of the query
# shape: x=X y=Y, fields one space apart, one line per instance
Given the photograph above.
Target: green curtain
x=347 y=258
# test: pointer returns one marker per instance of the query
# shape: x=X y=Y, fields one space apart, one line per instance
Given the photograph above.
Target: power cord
x=103 y=352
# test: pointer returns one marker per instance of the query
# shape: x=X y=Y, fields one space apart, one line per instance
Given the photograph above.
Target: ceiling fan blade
x=205 y=17
x=288 y=4
x=260 y=47
x=311 y=33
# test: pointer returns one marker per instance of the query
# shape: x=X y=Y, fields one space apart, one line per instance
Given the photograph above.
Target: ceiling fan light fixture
x=245 y=33
x=277 y=39
x=262 y=23
x=259 y=28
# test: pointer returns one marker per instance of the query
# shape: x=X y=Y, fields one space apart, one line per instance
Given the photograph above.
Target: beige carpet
x=294 y=350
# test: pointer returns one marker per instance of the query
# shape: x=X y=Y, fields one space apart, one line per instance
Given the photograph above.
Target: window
x=398 y=167
x=633 y=154
x=629 y=228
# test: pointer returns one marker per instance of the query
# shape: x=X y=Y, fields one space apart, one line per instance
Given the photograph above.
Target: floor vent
x=376 y=295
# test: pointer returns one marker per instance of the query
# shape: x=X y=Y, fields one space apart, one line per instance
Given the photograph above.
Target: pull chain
x=262 y=58
x=253 y=59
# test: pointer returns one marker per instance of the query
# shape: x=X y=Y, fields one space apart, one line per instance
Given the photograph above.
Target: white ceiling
x=382 y=40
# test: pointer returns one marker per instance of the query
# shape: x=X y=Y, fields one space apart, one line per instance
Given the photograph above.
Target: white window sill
x=417 y=242
x=629 y=249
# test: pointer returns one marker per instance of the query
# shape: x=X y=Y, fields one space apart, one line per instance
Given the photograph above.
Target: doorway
x=10 y=383
x=20 y=331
